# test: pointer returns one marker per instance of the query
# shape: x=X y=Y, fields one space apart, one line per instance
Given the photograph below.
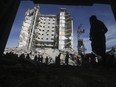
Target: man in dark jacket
x=97 y=37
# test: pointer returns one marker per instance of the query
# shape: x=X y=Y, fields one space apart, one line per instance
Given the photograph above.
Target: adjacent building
x=65 y=29
x=46 y=31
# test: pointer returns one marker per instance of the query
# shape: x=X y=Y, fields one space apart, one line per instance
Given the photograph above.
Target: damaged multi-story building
x=46 y=31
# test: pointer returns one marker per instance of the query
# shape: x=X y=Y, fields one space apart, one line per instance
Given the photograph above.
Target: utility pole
x=80 y=46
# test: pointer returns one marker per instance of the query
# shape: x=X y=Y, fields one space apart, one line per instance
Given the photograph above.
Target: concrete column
x=72 y=35
x=33 y=26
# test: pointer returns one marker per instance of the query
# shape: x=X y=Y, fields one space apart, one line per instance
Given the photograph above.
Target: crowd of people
x=90 y=59
x=79 y=60
x=42 y=58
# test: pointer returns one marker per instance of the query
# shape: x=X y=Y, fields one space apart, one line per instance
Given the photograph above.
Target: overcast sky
x=80 y=15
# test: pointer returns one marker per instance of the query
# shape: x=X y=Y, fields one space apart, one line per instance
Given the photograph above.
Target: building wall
x=26 y=27
x=46 y=31
x=62 y=29
x=44 y=34
x=65 y=30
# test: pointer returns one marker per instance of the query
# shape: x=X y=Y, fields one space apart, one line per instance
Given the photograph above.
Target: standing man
x=97 y=37
x=67 y=58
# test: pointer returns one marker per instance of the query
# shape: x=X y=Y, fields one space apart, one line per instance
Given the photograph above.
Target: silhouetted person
x=51 y=60
x=41 y=59
x=46 y=60
x=66 y=58
x=35 y=58
x=57 y=59
x=38 y=59
x=83 y=58
x=27 y=57
x=22 y=56
x=78 y=61
x=97 y=37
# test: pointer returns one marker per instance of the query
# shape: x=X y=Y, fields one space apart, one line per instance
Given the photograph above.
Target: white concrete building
x=65 y=29
x=46 y=31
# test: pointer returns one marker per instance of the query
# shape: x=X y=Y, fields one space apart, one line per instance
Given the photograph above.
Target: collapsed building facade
x=46 y=31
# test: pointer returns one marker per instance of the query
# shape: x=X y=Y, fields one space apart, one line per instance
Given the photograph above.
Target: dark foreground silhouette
x=97 y=37
x=23 y=72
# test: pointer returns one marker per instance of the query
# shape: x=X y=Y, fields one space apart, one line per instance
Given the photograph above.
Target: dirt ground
x=56 y=76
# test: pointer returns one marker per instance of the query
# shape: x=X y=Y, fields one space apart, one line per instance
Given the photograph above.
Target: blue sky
x=80 y=15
